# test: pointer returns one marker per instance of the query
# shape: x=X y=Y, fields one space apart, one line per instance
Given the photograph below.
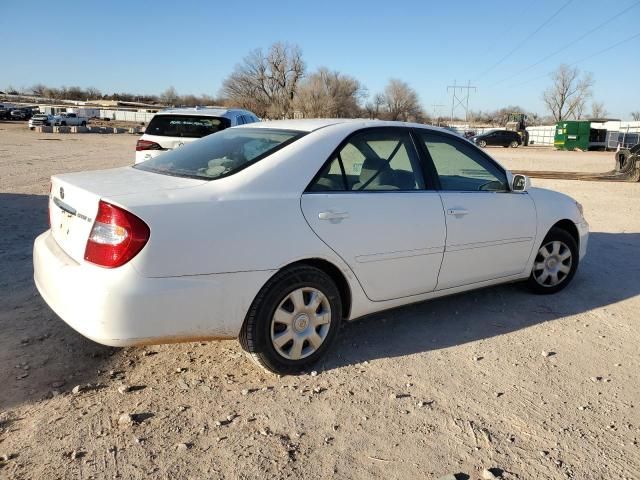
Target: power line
x=570 y=44
x=522 y=43
x=588 y=57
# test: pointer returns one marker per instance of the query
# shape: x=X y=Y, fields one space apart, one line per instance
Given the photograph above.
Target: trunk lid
x=74 y=198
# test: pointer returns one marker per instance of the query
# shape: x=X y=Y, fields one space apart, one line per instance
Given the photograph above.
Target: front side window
x=461 y=167
x=189 y=126
x=373 y=160
x=221 y=154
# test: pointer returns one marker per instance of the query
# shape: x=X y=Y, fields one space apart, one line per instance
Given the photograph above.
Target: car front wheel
x=513 y=144
x=293 y=320
x=555 y=264
x=482 y=143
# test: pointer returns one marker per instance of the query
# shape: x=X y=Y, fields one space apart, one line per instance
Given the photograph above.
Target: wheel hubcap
x=552 y=264
x=301 y=323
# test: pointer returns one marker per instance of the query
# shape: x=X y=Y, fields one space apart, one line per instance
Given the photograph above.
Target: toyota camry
x=276 y=232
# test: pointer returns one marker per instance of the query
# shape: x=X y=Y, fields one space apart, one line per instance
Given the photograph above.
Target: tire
x=261 y=328
x=482 y=143
x=514 y=144
x=83 y=124
x=557 y=244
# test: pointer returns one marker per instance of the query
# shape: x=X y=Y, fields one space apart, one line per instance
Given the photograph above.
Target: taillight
x=116 y=237
x=147 y=145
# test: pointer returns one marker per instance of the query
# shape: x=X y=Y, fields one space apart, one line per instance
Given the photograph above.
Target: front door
x=371 y=206
x=490 y=230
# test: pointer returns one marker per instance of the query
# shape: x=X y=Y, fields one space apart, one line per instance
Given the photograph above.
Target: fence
x=542 y=135
x=126 y=116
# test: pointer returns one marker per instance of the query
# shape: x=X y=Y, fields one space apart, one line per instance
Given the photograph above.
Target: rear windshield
x=221 y=154
x=191 y=126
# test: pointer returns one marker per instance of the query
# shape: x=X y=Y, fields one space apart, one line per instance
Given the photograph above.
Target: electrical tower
x=436 y=112
x=460 y=99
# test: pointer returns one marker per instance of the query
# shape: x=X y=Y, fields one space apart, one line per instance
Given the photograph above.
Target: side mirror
x=520 y=183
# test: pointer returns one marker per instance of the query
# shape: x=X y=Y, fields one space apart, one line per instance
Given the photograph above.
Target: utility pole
x=436 y=111
x=460 y=99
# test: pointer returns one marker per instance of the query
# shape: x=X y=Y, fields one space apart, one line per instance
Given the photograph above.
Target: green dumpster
x=572 y=134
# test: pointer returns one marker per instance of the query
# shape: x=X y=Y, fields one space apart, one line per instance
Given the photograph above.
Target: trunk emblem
x=61 y=193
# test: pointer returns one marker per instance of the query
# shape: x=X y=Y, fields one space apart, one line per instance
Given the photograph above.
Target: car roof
x=312 y=124
x=206 y=111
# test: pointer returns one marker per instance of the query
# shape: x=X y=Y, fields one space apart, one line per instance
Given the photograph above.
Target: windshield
x=191 y=126
x=221 y=154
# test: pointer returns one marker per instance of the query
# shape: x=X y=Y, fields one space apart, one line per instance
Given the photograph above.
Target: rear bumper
x=119 y=307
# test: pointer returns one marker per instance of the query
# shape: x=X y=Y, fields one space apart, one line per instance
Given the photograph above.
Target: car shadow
x=42 y=355
x=608 y=274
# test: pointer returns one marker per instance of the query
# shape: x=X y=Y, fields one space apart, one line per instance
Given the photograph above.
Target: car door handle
x=333 y=216
x=457 y=211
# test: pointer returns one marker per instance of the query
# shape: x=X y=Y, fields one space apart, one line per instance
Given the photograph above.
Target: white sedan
x=276 y=232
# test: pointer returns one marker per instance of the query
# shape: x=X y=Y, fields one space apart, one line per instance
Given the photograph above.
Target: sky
x=499 y=46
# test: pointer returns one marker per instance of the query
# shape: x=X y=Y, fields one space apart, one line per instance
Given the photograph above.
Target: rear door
x=371 y=206
x=490 y=230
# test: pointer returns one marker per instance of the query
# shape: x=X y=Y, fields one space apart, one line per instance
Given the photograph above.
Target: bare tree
x=93 y=93
x=169 y=96
x=373 y=107
x=266 y=83
x=598 y=110
x=327 y=94
x=401 y=101
x=635 y=116
x=39 y=90
x=567 y=97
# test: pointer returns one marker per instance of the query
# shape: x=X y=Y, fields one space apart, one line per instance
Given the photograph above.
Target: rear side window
x=189 y=126
x=374 y=160
x=221 y=154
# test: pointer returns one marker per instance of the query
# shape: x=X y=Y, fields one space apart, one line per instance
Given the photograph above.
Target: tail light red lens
x=116 y=237
x=147 y=145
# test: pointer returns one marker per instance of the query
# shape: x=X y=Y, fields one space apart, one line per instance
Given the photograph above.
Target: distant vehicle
x=499 y=138
x=42 y=120
x=71 y=120
x=276 y=232
x=20 y=114
x=175 y=127
x=4 y=113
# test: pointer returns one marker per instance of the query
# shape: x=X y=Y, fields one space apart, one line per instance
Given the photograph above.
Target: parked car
x=4 y=113
x=20 y=114
x=71 y=120
x=276 y=232
x=502 y=138
x=42 y=120
x=175 y=127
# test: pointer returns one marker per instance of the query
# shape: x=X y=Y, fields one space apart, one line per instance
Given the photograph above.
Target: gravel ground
x=533 y=387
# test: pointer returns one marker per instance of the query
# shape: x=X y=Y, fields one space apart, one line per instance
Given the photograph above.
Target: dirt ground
x=535 y=387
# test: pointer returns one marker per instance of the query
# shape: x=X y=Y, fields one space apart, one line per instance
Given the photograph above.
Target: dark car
x=502 y=138
x=20 y=114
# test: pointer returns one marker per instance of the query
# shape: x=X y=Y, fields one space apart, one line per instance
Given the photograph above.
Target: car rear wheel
x=555 y=264
x=513 y=144
x=482 y=143
x=293 y=320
